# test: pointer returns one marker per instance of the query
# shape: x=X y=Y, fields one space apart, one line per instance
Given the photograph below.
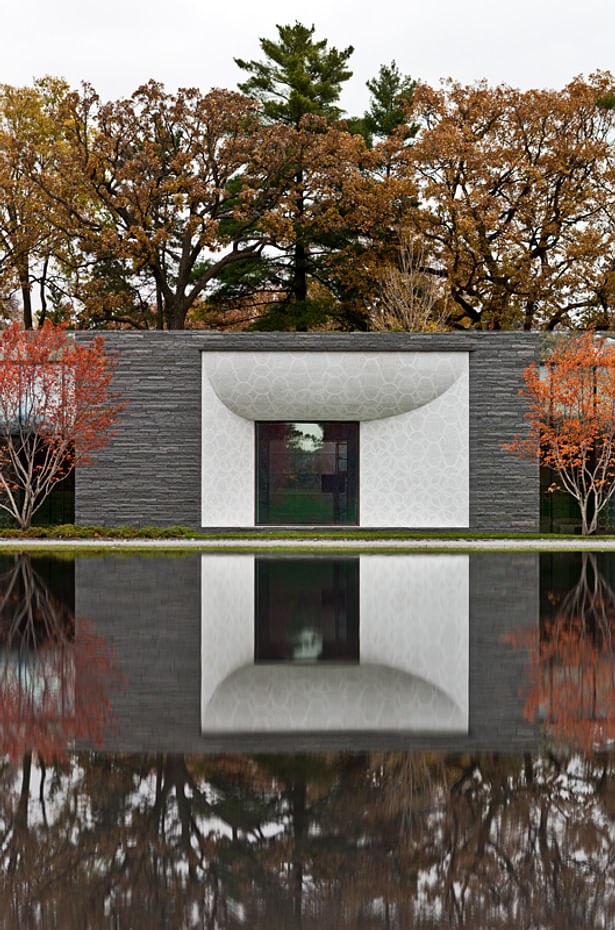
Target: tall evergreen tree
x=391 y=96
x=298 y=77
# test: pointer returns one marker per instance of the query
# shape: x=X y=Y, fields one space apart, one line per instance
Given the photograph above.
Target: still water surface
x=372 y=741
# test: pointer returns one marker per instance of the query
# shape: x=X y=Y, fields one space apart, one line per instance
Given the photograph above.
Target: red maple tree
x=571 y=668
x=572 y=421
x=56 y=410
x=57 y=675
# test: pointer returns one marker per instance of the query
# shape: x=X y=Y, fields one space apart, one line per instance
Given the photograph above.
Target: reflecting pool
x=268 y=741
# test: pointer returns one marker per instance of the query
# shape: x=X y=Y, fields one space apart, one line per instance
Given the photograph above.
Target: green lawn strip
x=86 y=552
x=124 y=552
x=70 y=531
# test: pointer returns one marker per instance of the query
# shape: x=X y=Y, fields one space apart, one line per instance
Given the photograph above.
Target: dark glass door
x=308 y=473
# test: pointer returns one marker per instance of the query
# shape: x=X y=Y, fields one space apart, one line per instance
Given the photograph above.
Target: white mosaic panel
x=415 y=615
x=330 y=385
x=414 y=436
x=227 y=618
x=227 y=464
x=415 y=467
x=414 y=654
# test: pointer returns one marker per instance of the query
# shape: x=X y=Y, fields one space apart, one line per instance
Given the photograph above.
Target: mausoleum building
x=375 y=430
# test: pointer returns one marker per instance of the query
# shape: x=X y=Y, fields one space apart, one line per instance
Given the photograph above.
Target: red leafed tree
x=572 y=421
x=56 y=411
x=571 y=668
x=57 y=675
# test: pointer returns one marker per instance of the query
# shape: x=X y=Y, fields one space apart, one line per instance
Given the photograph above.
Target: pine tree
x=391 y=96
x=297 y=77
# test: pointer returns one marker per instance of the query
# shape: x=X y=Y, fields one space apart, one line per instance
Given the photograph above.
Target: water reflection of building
x=570 y=676
x=161 y=707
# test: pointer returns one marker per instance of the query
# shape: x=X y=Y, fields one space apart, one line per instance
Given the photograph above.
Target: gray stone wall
x=149 y=472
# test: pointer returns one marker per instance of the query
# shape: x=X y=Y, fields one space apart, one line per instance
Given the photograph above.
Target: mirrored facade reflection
x=335 y=644
x=504 y=822
x=306 y=610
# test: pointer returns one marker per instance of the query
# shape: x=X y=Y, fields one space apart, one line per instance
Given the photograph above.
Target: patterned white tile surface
x=414 y=654
x=414 y=435
x=330 y=385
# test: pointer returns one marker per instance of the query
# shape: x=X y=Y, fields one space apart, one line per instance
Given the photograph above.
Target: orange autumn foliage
x=571 y=669
x=572 y=421
x=56 y=410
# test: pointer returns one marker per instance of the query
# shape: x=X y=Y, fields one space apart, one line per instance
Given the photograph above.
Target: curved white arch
x=308 y=386
x=262 y=698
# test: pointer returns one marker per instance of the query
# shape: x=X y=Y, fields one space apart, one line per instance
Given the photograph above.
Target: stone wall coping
x=334 y=342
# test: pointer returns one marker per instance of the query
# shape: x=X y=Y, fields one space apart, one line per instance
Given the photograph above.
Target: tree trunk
x=299 y=282
x=24 y=281
x=43 y=292
x=159 y=308
x=299 y=815
x=175 y=314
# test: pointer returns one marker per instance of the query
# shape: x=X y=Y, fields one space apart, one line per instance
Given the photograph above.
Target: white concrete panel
x=330 y=385
x=415 y=616
x=227 y=464
x=414 y=654
x=415 y=468
x=227 y=618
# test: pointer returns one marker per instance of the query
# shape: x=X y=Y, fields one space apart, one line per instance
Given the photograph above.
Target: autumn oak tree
x=161 y=192
x=515 y=201
x=56 y=410
x=29 y=238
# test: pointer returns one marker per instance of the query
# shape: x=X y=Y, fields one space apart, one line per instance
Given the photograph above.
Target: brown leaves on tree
x=516 y=200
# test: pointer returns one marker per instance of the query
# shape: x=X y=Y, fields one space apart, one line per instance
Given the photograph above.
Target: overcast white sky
x=118 y=44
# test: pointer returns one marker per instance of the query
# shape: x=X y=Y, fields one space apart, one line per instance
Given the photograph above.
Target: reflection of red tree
x=571 y=667
x=56 y=674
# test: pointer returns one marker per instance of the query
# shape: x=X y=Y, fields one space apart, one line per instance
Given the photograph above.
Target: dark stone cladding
x=149 y=472
x=148 y=609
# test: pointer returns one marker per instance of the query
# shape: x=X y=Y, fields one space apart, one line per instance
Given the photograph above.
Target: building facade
x=384 y=431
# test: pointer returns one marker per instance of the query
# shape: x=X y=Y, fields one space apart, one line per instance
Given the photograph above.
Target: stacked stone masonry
x=149 y=473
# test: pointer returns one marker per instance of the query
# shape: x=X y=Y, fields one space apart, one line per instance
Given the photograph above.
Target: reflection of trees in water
x=29 y=613
x=377 y=841
x=55 y=673
x=571 y=667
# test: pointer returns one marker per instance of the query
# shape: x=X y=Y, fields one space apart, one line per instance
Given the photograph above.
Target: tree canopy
x=391 y=99
x=263 y=207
